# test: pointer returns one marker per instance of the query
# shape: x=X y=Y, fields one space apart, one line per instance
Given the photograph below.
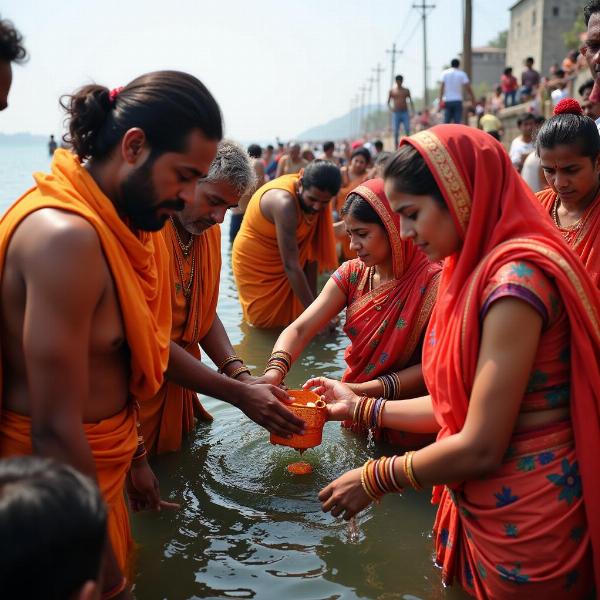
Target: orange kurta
x=583 y=238
x=265 y=293
x=347 y=187
x=139 y=268
x=167 y=417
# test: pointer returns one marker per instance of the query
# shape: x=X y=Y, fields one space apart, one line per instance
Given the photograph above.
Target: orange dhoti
x=138 y=264
x=112 y=443
x=173 y=411
x=264 y=290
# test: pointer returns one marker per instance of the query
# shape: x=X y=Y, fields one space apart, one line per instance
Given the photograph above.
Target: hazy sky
x=276 y=67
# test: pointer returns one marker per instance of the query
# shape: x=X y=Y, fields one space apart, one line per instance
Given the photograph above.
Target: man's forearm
x=300 y=285
x=216 y=343
x=188 y=372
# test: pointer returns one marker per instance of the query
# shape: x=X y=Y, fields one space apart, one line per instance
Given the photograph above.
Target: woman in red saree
x=568 y=145
x=388 y=293
x=511 y=361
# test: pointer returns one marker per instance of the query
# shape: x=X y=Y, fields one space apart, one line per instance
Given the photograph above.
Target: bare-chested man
x=292 y=162
x=398 y=100
x=11 y=51
x=85 y=313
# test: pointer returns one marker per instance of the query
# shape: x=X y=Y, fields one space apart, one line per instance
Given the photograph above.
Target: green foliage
x=572 y=38
x=500 y=40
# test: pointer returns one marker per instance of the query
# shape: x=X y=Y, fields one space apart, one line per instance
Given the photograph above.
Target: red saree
x=583 y=237
x=541 y=541
x=386 y=325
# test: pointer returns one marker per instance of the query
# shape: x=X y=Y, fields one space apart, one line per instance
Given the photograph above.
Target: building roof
x=489 y=50
x=517 y=4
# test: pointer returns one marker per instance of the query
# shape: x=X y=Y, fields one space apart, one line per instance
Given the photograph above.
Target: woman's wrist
x=274 y=376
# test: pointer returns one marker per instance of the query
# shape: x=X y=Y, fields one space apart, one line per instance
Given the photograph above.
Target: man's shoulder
x=49 y=235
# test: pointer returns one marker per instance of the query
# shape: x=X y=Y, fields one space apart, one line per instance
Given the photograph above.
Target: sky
x=276 y=67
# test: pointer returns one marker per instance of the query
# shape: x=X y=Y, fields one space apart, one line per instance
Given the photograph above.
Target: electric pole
x=468 y=26
x=371 y=81
x=378 y=70
x=394 y=53
x=424 y=8
x=362 y=89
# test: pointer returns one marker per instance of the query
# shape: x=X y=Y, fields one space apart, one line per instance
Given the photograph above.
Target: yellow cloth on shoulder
x=264 y=290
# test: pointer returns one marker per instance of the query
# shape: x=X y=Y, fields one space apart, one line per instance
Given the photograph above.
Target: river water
x=247 y=528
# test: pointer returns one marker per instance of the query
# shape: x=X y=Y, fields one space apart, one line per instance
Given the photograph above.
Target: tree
x=572 y=38
x=500 y=40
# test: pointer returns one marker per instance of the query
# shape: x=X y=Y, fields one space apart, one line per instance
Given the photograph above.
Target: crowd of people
x=471 y=309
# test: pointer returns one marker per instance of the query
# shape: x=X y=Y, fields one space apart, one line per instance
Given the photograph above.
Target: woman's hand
x=345 y=496
x=340 y=399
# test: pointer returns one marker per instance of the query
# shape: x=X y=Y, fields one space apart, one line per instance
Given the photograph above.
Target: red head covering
x=408 y=298
x=404 y=253
x=499 y=221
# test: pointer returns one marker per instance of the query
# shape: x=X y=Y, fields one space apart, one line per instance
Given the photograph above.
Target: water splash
x=352 y=531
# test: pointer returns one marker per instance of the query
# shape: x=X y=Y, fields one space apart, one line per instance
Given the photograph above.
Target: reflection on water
x=249 y=529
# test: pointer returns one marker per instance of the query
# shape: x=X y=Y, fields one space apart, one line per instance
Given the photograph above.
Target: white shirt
x=598 y=124
x=453 y=80
x=519 y=150
x=558 y=95
x=531 y=173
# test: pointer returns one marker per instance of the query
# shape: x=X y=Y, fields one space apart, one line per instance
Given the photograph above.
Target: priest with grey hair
x=193 y=239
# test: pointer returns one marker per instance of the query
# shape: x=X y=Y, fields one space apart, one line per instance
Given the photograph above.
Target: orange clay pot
x=314 y=417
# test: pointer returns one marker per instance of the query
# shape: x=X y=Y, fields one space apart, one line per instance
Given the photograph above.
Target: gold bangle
x=227 y=361
x=276 y=367
x=411 y=474
x=243 y=369
x=364 y=481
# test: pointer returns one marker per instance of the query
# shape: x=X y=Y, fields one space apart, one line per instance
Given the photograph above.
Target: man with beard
x=85 y=313
x=11 y=50
x=193 y=240
x=286 y=238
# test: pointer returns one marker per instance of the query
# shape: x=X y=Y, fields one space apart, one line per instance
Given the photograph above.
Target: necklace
x=186 y=288
x=185 y=248
x=575 y=227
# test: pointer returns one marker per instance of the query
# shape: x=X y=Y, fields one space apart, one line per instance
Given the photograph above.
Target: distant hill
x=22 y=139
x=335 y=129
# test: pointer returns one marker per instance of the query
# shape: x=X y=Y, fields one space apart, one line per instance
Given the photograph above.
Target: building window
x=533 y=17
x=555 y=11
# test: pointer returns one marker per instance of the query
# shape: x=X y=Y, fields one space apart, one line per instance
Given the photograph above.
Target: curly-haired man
x=11 y=50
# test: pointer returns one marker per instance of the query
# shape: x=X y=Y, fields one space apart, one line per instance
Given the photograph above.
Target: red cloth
x=386 y=325
x=499 y=221
x=584 y=239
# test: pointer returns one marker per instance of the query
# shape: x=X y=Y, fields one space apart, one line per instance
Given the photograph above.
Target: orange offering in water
x=300 y=468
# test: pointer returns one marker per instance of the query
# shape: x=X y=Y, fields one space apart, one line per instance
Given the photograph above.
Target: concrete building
x=487 y=64
x=536 y=28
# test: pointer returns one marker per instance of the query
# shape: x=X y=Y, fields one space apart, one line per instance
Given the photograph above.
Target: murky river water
x=249 y=529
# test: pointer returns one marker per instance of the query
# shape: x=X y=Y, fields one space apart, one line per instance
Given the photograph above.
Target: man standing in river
x=398 y=100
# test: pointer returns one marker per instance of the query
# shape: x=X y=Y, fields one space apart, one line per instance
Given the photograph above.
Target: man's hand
x=264 y=404
x=142 y=488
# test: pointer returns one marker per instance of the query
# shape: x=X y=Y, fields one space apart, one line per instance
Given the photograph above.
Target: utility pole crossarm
x=423 y=8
